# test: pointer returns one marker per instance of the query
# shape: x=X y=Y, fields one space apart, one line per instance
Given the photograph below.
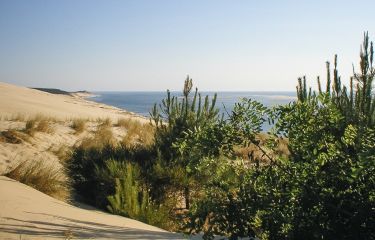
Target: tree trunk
x=187 y=197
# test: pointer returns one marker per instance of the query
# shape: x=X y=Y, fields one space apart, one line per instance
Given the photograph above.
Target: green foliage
x=323 y=189
x=218 y=211
x=131 y=198
x=173 y=119
x=357 y=103
x=125 y=200
x=326 y=188
x=84 y=162
x=117 y=178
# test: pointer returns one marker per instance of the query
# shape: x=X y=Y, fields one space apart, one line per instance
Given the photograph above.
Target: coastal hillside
x=38 y=130
x=21 y=101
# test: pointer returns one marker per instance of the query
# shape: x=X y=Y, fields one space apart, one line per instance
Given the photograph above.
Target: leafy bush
x=116 y=177
x=325 y=188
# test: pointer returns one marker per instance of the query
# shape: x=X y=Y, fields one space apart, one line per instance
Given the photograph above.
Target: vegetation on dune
x=42 y=176
x=78 y=125
x=11 y=136
x=38 y=124
x=310 y=177
x=137 y=133
x=175 y=118
x=325 y=187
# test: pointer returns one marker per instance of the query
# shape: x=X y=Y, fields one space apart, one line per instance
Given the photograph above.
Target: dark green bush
x=84 y=162
x=131 y=197
x=173 y=119
x=118 y=178
x=325 y=189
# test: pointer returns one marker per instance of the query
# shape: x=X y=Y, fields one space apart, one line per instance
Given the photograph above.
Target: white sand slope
x=30 y=102
x=27 y=103
x=26 y=213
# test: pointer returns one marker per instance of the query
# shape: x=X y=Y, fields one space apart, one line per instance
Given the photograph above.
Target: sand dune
x=26 y=213
x=25 y=102
x=16 y=100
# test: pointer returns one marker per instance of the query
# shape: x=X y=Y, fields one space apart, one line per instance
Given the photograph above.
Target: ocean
x=143 y=102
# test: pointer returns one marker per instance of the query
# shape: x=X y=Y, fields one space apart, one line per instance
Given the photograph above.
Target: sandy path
x=26 y=213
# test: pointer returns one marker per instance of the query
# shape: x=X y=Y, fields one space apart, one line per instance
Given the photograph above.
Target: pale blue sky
x=153 y=45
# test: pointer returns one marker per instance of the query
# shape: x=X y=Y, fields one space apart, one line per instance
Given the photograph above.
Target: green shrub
x=131 y=198
x=173 y=118
x=324 y=189
x=85 y=159
x=117 y=178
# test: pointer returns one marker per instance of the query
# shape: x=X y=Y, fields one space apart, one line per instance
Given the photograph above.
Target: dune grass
x=39 y=124
x=14 y=117
x=106 y=122
x=62 y=152
x=42 y=176
x=79 y=125
x=11 y=136
x=101 y=137
x=136 y=132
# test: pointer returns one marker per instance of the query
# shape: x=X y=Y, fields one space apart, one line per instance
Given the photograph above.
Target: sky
x=149 y=45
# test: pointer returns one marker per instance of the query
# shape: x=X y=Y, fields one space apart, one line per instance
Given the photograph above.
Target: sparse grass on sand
x=39 y=124
x=107 y=122
x=102 y=137
x=253 y=152
x=15 y=117
x=62 y=152
x=136 y=132
x=79 y=125
x=42 y=176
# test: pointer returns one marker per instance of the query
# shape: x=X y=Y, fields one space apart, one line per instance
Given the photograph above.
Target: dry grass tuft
x=38 y=124
x=107 y=122
x=11 y=136
x=102 y=137
x=62 y=152
x=30 y=127
x=136 y=132
x=44 y=125
x=68 y=234
x=79 y=125
x=15 y=117
x=43 y=177
x=125 y=122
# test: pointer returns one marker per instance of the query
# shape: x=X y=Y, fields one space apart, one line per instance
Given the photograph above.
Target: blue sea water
x=142 y=102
